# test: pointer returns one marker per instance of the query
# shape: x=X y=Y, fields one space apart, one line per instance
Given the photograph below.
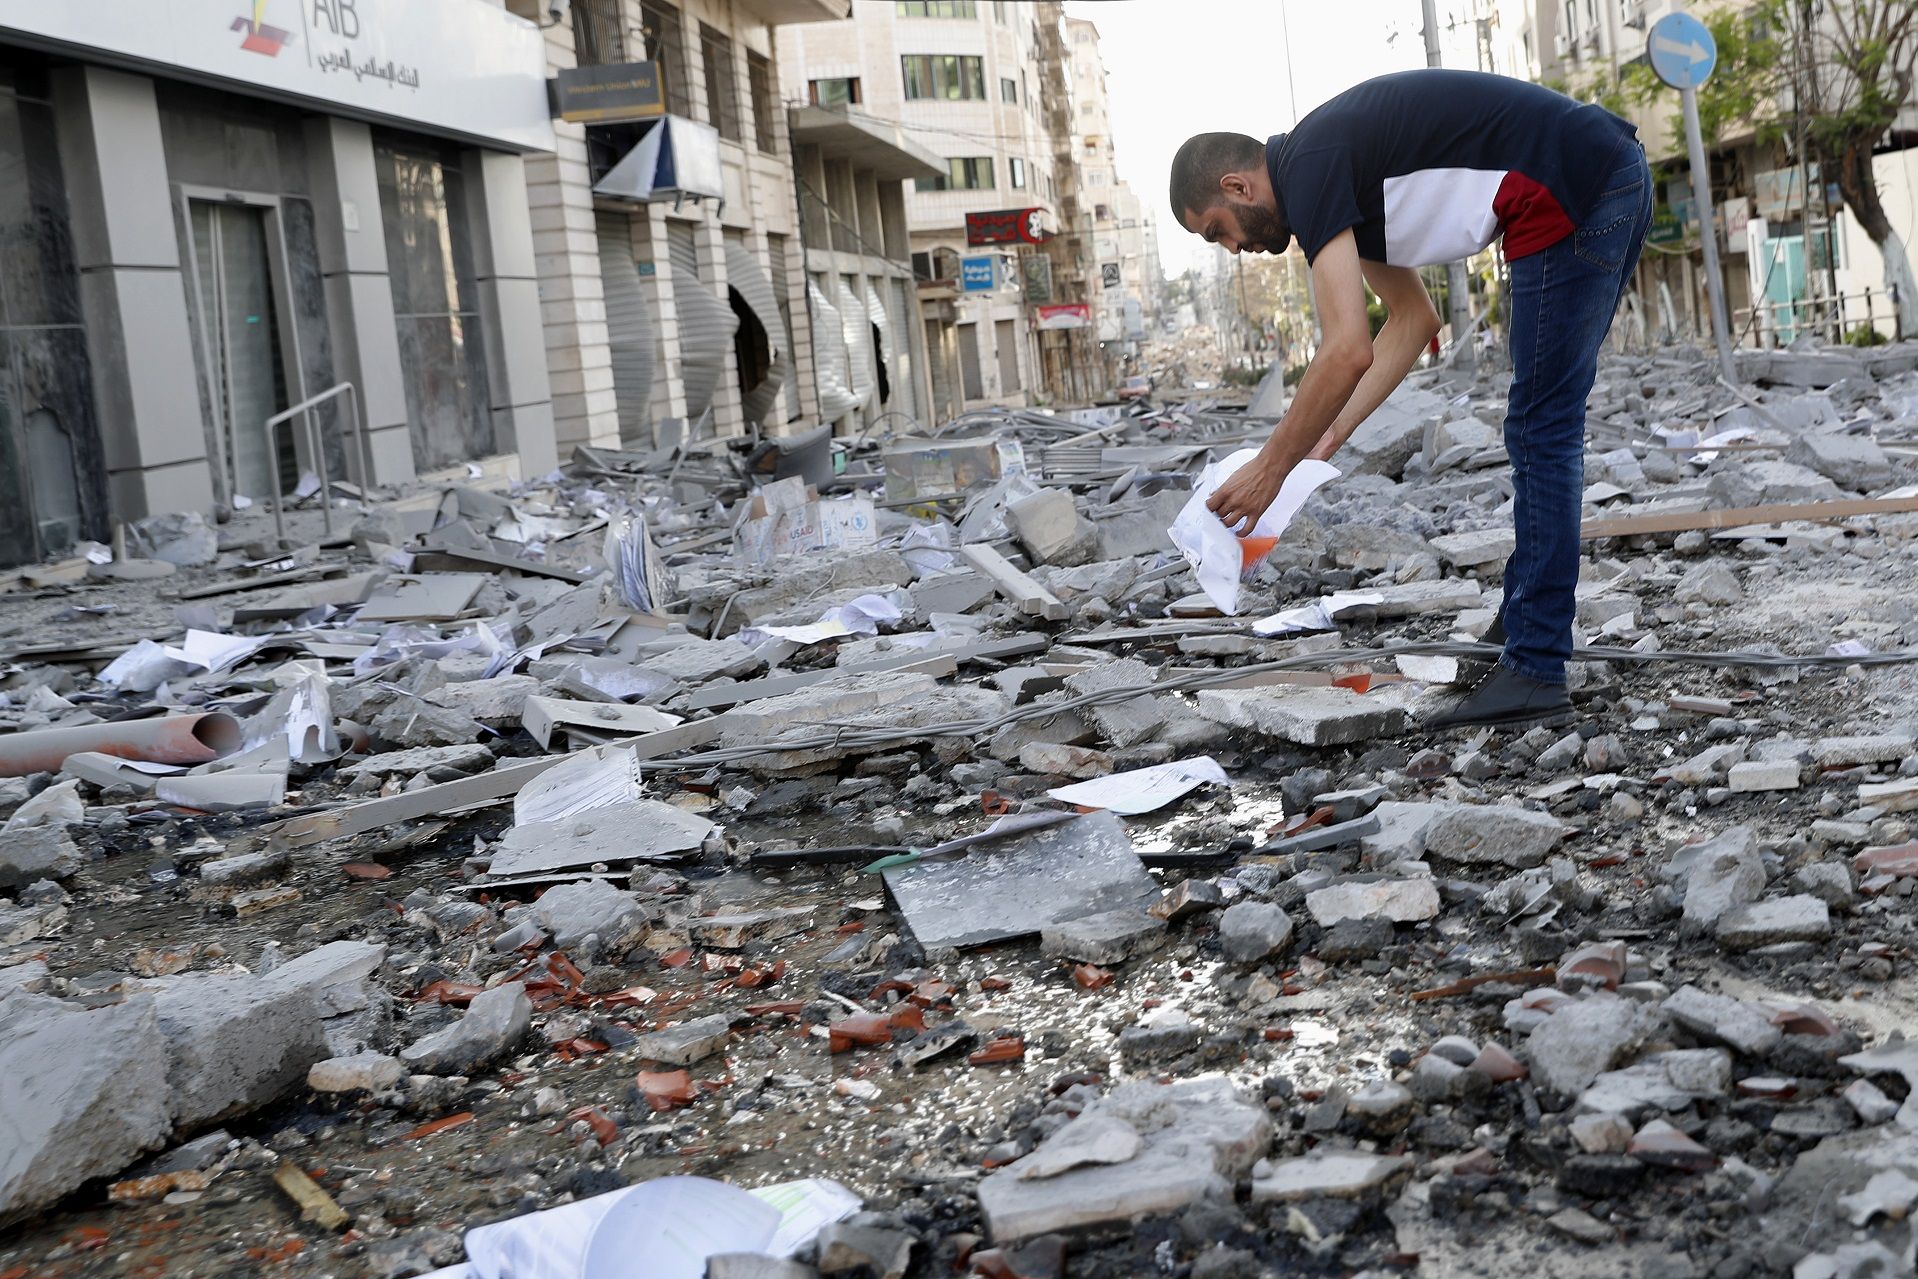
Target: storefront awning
x=676 y=157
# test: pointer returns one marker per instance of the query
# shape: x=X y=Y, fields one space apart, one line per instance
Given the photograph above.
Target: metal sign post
x=1683 y=54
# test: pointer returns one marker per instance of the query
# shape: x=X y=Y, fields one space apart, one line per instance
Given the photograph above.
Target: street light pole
x=1457 y=280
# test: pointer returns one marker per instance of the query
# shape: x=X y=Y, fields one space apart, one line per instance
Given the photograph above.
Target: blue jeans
x=1563 y=298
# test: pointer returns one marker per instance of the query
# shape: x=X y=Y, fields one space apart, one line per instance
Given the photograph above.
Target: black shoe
x=1476 y=670
x=1505 y=697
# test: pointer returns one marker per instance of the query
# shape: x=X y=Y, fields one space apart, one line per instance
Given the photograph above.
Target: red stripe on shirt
x=1529 y=215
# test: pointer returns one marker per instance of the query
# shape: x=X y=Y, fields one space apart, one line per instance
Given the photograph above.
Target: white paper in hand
x=1216 y=554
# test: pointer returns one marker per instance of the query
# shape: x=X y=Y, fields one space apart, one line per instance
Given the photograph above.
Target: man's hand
x=1244 y=497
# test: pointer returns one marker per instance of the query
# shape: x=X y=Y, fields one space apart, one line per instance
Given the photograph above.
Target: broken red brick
x=861 y=1030
x=449 y=992
x=366 y=870
x=1009 y=1048
x=994 y=983
x=1803 y=1019
x=666 y=1089
x=1896 y=860
x=1091 y=976
x=605 y=1131
x=677 y=958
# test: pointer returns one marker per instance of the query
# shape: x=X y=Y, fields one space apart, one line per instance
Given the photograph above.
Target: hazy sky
x=1179 y=67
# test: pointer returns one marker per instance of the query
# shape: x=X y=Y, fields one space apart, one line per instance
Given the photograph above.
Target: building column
x=729 y=407
x=133 y=293
x=669 y=379
x=509 y=309
x=349 y=227
x=579 y=358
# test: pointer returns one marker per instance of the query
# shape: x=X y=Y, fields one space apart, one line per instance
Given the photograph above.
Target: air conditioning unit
x=1635 y=15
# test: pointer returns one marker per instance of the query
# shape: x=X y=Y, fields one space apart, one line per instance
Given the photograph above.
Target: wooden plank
x=1735 y=516
x=1033 y=599
x=468 y=792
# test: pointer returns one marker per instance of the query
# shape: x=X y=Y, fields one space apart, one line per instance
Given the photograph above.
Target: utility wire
x=848 y=736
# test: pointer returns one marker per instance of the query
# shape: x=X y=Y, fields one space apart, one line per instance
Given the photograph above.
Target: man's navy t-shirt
x=1431 y=166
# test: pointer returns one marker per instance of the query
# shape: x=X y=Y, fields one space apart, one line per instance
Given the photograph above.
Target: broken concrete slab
x=1478 y=548
x=1722 y=1019
x=1125 y=722
x=29 y=853
x=1496 y=834
x=1779 y=919
x=1578 y=1043
x=495 y=1021
x=234 y=1044
x=86 y=1095
x=1725 y=872
x=686 y=1043
x=360 y=1072
x=1400 y=901
x=1019 y=886
x=1332 y=1174
x=1196 y=1137
x=643 y=830
x=1109 y=937
x=571 y=913
x=1307 y=716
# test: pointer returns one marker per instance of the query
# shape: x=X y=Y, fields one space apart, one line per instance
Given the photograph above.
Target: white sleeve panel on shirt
x=1439 y=215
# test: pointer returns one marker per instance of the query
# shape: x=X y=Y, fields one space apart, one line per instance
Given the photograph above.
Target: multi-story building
x=672 y=253
x=217 y=211
x=1125 y=283
x=965 y=79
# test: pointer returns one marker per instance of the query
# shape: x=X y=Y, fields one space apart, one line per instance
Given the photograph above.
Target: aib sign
x=976 y=275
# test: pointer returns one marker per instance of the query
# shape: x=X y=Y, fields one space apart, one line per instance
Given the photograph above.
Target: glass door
x=239 y=319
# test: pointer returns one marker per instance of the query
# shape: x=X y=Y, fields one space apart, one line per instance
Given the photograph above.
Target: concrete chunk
x=1197 y=1136
x=1780 y=919
x=1398 y=900
x=1251 y=932
x=1307 y=716
x=1110 y=937
x=28 y=853
x=1326 y=1174
x=85 y=1095
x=1577 y=1044
x=1724 y=1020
x=1493 y=833
x=235 y=1044
x=494 y=1022
x=686 y=1043
x=1725 y=872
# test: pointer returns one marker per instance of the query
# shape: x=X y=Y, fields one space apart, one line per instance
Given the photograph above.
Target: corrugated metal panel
x=631 y=332
x=776 y=256
x=705 y=323
x=858 y=330
x=744 y=273
x=829 y=356
x=905 y=382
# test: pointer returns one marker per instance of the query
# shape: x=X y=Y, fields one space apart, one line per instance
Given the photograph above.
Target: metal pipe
x=168 y=739
x=316 y=445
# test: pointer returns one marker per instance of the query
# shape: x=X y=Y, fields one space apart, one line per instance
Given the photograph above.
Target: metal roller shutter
x=631 y=332
x=705 y=323
x=744 y=273
x=858 y=331
x=905 y=382
x=829 y=356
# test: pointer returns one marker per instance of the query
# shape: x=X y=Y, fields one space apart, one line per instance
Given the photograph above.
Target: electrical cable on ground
x=850 y=736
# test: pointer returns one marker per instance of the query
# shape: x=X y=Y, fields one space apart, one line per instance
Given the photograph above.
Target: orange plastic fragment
x=1359 y=683
x=434 y=1126
x=1252 y=549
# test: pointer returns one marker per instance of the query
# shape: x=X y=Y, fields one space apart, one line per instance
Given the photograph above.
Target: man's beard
x=1262 y=232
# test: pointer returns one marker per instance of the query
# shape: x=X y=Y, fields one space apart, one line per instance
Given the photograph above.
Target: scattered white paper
x=805 y=1208
x=1144 y=789
x=143 y=668
x=212 y=651
x=1428 y=669
x=862 y=616
x=1215 y=552
x=1848 y=648
x=309 y=485
x=587 y=780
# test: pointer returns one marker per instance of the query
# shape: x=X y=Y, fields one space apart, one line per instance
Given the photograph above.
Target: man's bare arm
x=1339 y=368
x=1411 y=322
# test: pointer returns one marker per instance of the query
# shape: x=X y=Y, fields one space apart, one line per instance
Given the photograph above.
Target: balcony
x=841 y=133
x=782 y=13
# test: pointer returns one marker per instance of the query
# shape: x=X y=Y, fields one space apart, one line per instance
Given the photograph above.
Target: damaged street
x=906 y=832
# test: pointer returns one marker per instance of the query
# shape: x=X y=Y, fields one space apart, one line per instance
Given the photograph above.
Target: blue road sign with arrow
x=1682 y=51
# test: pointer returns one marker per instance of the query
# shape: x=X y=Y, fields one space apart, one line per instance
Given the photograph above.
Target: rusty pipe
x=167 y=739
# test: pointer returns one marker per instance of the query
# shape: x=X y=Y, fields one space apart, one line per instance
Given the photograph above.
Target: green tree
x=1832 y=71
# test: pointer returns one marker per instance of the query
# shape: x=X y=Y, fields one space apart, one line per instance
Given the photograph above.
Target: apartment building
x=1126 y=283
x=221 y=210
x=963 y=79
x=666 y=224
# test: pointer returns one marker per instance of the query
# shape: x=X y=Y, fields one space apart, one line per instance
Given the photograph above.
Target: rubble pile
x=899 y=831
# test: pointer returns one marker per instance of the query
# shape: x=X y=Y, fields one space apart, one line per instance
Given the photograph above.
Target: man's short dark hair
x=1202 y=161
